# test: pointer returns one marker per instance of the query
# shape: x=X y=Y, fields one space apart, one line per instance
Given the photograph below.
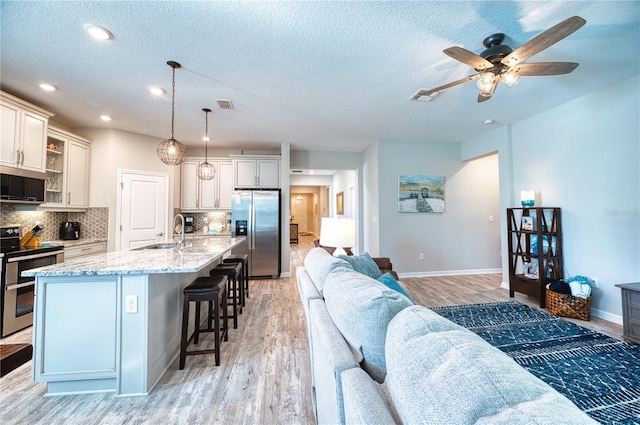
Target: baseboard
x=450 y=273
x=287 y=274
x=600 y=314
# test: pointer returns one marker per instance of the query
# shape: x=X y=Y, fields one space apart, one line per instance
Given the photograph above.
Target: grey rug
x=600 y=374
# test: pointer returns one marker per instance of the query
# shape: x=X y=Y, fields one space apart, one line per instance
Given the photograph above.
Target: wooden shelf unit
x=539 y=248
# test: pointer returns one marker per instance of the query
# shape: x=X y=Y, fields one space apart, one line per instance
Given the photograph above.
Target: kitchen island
x=111 y=322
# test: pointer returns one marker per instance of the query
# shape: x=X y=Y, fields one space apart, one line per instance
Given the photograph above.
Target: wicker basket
x=568 y=306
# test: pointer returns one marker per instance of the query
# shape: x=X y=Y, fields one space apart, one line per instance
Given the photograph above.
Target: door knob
x=160 y=234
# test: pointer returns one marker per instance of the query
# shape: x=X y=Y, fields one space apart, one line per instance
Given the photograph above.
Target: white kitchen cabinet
x=67 y=168
x=206 y=195
x=78 y=251
x=262 y=171
x=23 y=134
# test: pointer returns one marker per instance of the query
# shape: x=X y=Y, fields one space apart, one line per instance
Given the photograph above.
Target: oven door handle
x=33 y=256
x=19 y=285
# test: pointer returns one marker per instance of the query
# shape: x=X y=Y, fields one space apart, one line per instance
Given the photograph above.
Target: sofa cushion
x=390 y=282
x=441 y=373
x=363 y=263
x=319 y=263
x=361 y=308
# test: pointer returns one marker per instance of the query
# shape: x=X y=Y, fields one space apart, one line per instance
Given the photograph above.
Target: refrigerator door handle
x=251 y=241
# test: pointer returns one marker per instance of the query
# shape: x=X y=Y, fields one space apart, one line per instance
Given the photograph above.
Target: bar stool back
x=244 y=259
x=233 y=273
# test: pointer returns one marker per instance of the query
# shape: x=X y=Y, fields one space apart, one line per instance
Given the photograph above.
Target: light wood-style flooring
x=264 y=376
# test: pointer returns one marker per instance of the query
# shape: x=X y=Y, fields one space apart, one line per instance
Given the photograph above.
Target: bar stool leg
x=234 y=297
x=185 y=325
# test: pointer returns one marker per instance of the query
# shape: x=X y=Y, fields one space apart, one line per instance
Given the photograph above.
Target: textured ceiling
x=318 y=75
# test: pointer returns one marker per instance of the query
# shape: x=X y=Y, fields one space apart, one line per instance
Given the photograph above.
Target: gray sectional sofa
x=377 y=358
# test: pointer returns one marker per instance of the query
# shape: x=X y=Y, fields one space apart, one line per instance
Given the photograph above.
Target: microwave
x=21 y=186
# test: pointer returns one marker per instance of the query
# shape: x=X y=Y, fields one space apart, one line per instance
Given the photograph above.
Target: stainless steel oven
x=17 y=292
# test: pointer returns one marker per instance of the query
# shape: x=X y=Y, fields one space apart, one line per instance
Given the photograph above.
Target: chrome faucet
x=181 y=228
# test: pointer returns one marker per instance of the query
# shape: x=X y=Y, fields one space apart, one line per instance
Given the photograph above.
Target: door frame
x=119 y=189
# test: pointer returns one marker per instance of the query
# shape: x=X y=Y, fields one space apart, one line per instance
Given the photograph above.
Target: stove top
x=10 y=244
x=19 y=252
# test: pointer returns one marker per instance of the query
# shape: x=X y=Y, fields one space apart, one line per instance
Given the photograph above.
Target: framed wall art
x=417 y=194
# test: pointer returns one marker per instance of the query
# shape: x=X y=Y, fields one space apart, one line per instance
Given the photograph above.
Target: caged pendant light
x=170 y=151
x=206 y=171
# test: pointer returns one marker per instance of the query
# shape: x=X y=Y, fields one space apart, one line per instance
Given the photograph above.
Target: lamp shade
x=338 y=232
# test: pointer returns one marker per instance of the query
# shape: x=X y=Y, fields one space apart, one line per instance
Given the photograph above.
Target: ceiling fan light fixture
x=205 y=170
x=171 y=151
x=509 y=78
x=486 y=81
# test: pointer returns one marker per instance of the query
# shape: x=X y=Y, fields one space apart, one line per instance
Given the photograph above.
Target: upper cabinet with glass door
x=67 y=166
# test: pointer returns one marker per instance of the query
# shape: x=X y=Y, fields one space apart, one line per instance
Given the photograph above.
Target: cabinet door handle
x=68 y=197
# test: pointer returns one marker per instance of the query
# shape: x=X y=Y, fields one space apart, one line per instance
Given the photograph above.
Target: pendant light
x=206 y=171
x=170 y=151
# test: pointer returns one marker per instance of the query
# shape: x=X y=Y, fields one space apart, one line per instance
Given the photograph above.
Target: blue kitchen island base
x=114 y=329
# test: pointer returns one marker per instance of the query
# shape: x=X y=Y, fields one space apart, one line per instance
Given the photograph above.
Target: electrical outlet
x=490 y=219
x=421 y=256
x=131 y=304
x=594 y=282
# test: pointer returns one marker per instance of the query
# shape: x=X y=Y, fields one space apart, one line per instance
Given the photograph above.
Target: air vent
x=296 y=171
x=224 y=104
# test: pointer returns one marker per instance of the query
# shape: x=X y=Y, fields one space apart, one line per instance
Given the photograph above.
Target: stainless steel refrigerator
x=256 y=215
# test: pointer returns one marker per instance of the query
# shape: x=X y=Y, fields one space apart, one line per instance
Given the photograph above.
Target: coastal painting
x=418 y=194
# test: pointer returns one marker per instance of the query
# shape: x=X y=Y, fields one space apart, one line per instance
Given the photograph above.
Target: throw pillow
x=388 y=280
x=363 y=263
x=361 y=308
x=319 y=263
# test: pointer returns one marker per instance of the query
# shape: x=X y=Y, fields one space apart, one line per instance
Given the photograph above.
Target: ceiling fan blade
x=423 y=92
x=544 y=40
x=483 y=98
x=544 y=68
x=470 y=58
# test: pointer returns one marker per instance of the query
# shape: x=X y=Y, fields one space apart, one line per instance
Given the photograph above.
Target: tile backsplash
x=94 y=223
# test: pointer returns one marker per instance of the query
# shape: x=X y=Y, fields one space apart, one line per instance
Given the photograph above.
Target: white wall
x=112 y=150
x=370 y=202
x=460 y=240
x=584 y=157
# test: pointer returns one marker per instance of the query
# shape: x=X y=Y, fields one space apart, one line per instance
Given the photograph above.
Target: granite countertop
x=194 y=256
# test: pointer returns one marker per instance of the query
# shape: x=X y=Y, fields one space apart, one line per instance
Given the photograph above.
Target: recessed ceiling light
x=105 y=118
x=48 y=87
x=156 y=91
x=489 y=122
x=97 y=32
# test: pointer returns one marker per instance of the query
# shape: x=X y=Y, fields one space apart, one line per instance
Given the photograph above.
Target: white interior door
x=143 y=205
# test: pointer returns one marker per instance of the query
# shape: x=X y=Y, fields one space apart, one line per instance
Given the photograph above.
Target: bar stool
x=232 y=272
x=214 y=290
x=244 y=259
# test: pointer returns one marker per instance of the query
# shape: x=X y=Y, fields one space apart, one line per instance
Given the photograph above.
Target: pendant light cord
x=173 y=100
x=206 y=133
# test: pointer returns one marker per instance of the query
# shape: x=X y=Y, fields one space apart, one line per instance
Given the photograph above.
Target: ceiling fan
x=500 y=62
